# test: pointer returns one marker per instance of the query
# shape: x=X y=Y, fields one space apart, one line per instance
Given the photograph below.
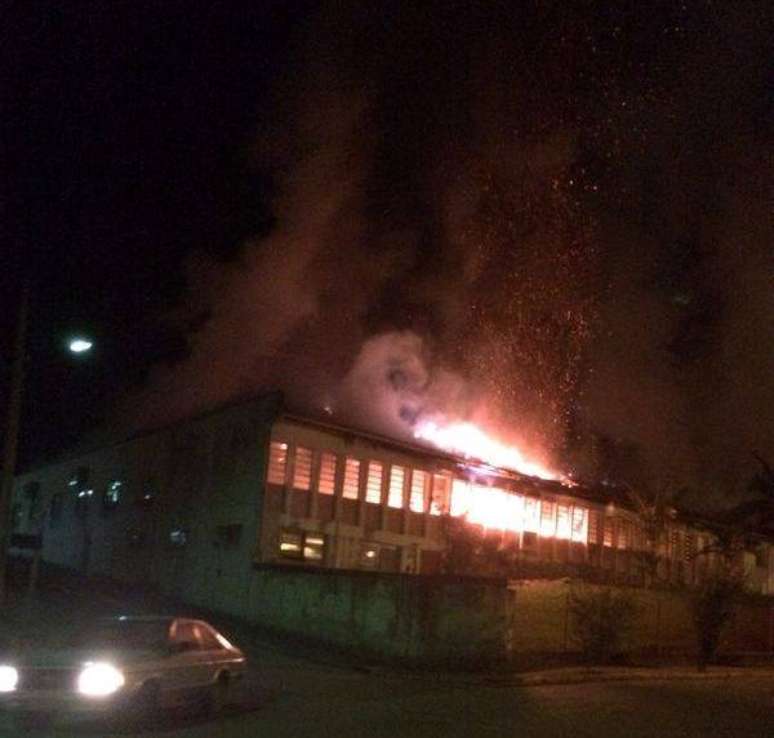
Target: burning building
x=198 y=505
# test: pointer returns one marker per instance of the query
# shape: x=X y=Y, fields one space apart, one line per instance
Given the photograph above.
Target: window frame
x=302 y=537
x=350 y=463
x=395 y=471
x=273 y=465
x=322 y=476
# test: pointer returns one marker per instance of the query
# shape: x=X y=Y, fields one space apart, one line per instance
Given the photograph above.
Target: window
x=183 y=632
x=580 y=524
x=327 y=483
x=147 y=494
x=608 y=532
x=178 y=537
x=689 y=550
x=369 y=555
x=563 y=529
x=302 y=469
x=676 y=547
x=302 y=546
x=529 y=539
x=547 y=518
x=278 y=461
x=314 y=546
x=531 y=514
x=291 y=544
x=418 y=487
x=460 y=501
x=593 y=527
x=229 y=535
x=351 y=478
x=112 y=495
x=395 y=496
x=624 y=537
x=439 y=503
x=206 y=637
x=374 y=484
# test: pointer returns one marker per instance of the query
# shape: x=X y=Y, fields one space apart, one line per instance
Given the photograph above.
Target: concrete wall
x=384 y=615
x=541 y=623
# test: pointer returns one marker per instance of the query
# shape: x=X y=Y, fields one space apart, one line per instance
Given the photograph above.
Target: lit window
x=327 y=483
x=314 y=547
x=547 y=520
x=178 y=537
x=112 y=494
x=296 y=544
x=689 y=549
x=374 y=484
x=278 y=461
x=460 y=501
x=580 y=524
x=623 y=534
x=291 y=544
x=439 y=503
x=531 y=514
x=608 y=533
x=495 y=508
x=638 y=540
x=395 y=496
x=563 y=522
x=369 y=556
x=147 y=494
x=593 y=527
x=676 y=547
x=351 y=478
x=302 y=468
x=418 y=486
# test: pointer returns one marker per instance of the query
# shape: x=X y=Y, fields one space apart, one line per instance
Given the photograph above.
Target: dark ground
x=295 y=690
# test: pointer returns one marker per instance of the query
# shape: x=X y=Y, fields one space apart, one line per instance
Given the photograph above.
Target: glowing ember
x=466 y=439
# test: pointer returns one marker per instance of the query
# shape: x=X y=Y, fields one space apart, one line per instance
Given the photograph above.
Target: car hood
x=62 y=658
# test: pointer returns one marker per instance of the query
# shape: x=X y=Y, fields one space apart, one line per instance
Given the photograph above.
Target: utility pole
x=11 y=438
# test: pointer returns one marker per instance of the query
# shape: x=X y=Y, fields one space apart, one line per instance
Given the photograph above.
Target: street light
x=77 y=345
x=80 y=345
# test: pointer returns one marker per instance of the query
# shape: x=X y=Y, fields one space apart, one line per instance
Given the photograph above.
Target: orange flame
x=468 y=440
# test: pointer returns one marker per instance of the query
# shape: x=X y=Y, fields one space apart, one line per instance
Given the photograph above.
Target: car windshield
x=123 y=634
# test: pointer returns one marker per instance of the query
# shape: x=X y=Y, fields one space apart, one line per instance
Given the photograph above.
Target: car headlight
x=100 y=680
x=9 y=678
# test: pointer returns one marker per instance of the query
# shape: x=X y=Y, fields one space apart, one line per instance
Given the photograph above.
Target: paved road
x=307 y=700
x=293 y=692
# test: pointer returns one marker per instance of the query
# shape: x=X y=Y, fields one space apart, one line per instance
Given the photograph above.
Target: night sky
x=551 y=218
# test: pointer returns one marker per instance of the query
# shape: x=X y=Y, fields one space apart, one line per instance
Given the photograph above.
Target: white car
x=141 y=663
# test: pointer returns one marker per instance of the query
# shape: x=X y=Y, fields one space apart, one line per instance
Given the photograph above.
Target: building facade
x=196 y=508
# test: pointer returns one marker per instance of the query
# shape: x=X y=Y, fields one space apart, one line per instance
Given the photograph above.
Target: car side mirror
x=181 y=647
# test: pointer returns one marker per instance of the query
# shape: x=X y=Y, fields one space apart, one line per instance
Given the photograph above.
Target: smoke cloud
x=512 y=216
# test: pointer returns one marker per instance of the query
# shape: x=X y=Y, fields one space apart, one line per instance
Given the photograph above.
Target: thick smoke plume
x=515 y=215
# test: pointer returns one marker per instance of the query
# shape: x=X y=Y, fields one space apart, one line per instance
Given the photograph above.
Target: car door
x=185 y=672
x=214 y=655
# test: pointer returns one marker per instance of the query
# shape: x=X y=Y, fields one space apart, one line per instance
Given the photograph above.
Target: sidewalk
x=577 y=675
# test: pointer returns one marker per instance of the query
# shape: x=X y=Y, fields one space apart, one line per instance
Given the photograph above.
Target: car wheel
x=219 y=695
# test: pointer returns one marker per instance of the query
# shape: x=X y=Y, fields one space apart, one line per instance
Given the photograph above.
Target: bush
x=601 y=620
x=713 y=608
